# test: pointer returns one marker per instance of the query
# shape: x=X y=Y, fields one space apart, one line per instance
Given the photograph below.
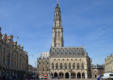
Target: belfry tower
x=57 y=35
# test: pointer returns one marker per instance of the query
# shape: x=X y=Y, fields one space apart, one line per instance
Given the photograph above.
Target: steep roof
x=65 y=52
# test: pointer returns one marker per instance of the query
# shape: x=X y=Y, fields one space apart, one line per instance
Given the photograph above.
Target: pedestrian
x=99 y=77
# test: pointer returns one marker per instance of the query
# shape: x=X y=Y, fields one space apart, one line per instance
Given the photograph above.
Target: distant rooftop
x=44 y=55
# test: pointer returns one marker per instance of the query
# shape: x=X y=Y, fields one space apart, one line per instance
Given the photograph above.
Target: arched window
x=77 y=65
x=73 y=65
x=58 y=33
x=56 y=65
x=43 y=69
x=69 y=65
x=52 y=66
x=82 y=65
x=65 y=66
x=60 y=65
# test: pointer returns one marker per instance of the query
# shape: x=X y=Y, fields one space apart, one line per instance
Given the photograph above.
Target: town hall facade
x=63 y=62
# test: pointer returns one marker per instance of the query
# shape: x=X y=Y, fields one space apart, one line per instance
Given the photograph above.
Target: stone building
x=67 y=62
x=13 y=58
x=43 y=64
x=64 y=62
x=32 y=70
x=109 y=63
x=97 y=70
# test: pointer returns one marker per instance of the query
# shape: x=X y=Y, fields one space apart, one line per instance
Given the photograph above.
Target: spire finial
x=57 y=1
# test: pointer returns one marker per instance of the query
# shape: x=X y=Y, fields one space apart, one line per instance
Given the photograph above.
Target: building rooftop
x=44 y=55
x=67 y=52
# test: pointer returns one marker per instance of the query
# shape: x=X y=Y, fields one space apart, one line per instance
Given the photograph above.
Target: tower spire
x=57 y=16
x=57 y=38
x=57 y=1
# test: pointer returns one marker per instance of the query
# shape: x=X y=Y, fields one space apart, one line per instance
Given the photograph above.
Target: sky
x=87 y=23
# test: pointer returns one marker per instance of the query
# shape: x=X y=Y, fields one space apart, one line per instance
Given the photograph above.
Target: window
x=69 y=65
x=58 y=33
x=52 y=66
x=73 y=65
x=60 y=65
x=65 y=66
x=82 y=66
x=111 y=74
x=56 y=65
x=77 y=65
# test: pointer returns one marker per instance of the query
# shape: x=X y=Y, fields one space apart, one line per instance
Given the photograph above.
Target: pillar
x=86 y=76
x=69 y=76
x=64 y=75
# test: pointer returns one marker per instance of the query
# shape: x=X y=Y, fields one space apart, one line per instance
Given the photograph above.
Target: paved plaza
x=74 y=79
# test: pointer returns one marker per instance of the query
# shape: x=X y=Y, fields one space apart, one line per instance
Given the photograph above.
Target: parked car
x=107 y=76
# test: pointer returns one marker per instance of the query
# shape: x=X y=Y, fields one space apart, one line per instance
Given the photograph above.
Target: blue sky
x=87 y=23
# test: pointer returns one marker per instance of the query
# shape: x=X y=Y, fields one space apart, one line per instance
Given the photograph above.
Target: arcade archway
x=73 y=75
x=83 y=75
x=67 y=75
x=61 y=75
x=55 y=75
x=78 y=75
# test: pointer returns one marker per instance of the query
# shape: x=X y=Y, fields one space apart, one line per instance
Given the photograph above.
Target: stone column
x=85 y=75
x=64 y=75
x=76 y=75
x=69 y=76
x=57 y=75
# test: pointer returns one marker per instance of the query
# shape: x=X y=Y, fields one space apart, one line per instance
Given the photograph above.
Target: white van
x=107 y=76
